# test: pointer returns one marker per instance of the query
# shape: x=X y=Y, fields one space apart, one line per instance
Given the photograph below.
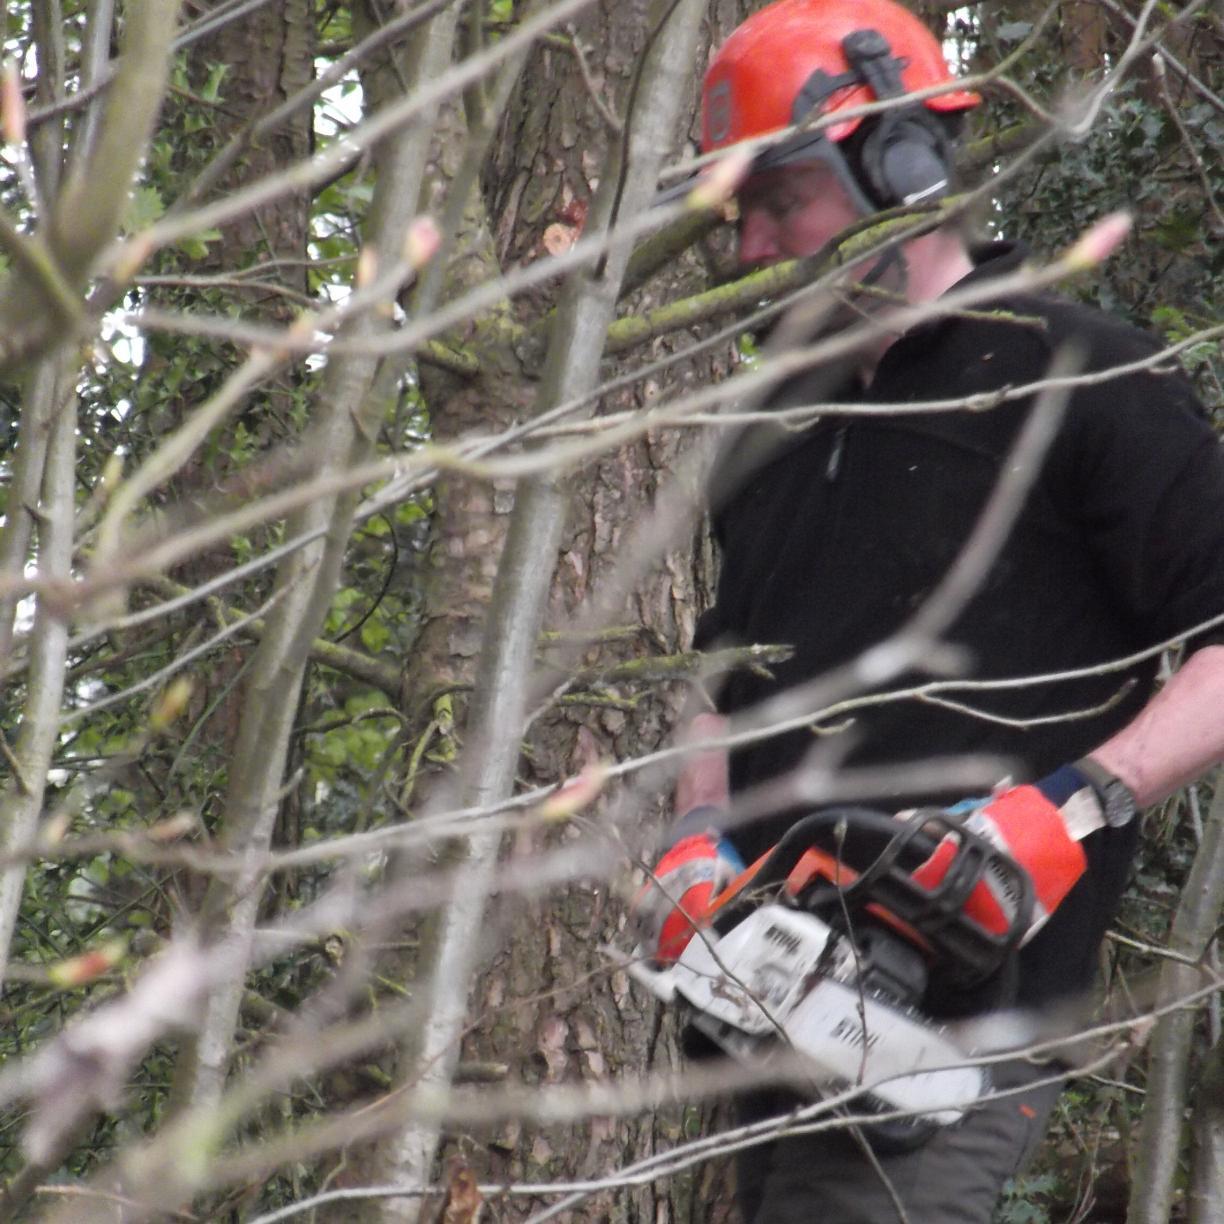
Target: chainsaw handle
x=895 y=848
x=896 y=837
x=772 y=869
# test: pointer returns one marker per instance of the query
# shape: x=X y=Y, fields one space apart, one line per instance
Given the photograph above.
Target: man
x=838 y=535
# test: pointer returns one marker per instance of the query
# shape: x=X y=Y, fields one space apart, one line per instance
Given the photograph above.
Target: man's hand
x=1040 y=826
x=690 y=874
x=698 y=862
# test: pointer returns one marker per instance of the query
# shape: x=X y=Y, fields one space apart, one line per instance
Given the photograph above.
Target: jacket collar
x=994 y=259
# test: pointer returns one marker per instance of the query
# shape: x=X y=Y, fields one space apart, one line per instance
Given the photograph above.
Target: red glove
x=676 y=901
x=1040 y=827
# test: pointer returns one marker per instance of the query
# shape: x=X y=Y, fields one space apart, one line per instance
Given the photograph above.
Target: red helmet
x=796 y=57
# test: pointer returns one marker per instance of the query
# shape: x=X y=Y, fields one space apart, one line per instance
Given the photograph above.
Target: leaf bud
x=80 y=970
x=574 y=794
x=171 y=703
x=12 y=105
x=422 y=241
x=367 y=267
x=1098 y=242
x=718 y=183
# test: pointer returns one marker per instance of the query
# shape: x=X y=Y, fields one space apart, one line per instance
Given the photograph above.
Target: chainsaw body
x=808 y=953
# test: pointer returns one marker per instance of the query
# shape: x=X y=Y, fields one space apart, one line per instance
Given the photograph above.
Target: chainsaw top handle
x=868 y=857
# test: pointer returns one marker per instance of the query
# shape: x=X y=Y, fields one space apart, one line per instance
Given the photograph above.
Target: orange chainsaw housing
x=815 y=864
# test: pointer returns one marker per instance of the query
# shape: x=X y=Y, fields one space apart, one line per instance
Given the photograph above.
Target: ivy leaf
x=1178 y=230
x=196 y=246
x=144 y=207
x=374 y=635
x=212 y=87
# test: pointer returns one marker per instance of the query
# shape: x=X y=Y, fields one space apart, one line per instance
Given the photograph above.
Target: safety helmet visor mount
x=809 y=146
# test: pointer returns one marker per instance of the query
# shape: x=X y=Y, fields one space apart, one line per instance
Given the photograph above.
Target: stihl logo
x=784 y=939
x=718 y=112
x=852 y=1033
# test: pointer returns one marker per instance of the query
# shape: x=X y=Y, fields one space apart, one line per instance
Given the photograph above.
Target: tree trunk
x=1205 y=1197
x=548 y=1008
x=1194 y=927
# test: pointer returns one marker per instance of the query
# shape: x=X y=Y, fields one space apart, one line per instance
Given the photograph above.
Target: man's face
x=789 y=212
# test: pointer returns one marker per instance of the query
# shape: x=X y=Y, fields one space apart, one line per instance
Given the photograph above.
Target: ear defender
x=905 y=160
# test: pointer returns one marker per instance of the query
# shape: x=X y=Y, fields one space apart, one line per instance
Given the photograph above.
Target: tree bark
x=1169 y=1058
x=547 y=1007
x=267 y=57
x=1206 y=1194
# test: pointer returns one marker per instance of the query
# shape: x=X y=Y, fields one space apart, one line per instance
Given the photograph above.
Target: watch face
x=1116 y=798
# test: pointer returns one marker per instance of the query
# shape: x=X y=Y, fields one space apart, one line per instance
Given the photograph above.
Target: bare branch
x=1194 y=925
x=21 y=801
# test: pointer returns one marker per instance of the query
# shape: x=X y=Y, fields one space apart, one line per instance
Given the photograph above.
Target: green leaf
x=144 y=207
x=374 y=635
x=196 y=246
x=212 y=87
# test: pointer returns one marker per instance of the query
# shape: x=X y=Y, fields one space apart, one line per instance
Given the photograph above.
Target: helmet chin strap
x=892 y=261
x=860 y=306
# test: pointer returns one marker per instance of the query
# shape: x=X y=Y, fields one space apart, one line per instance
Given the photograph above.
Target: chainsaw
x=825 y=946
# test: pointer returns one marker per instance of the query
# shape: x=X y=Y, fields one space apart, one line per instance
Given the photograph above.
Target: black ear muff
x=905 y=160
x=906 y=156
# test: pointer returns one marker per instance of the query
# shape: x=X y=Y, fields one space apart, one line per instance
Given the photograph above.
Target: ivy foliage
x=116 y=769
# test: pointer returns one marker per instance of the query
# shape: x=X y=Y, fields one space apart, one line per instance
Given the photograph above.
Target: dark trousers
x=956 y=1177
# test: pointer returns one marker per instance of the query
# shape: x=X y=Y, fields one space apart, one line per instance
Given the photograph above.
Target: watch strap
x=1117 y=798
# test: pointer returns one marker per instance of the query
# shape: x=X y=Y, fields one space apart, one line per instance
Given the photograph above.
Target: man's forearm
x=1177 y=736
x=703 y=778
x=1175 y=739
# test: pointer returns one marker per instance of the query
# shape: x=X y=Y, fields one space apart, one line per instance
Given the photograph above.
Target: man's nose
x=758 y=237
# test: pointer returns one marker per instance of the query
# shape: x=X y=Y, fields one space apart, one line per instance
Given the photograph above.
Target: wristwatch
x=1116 y=798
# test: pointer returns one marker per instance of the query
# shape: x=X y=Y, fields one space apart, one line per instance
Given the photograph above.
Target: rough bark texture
x=548 y=1007
x=1205 y=1197
x=268 y=57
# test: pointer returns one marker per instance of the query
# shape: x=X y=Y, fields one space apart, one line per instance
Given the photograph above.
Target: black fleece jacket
x=835 y=540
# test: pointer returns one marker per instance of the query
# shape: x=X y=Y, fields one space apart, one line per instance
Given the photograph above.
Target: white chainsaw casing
x=757 y=973
x=781 y=978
